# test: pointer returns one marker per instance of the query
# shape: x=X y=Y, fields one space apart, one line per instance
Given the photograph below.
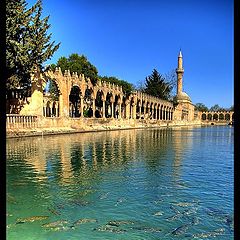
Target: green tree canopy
x=77 y=63
x=216 y=108
x=201 y=107
x=126 y=86
x=156 y=85
x=28 y=45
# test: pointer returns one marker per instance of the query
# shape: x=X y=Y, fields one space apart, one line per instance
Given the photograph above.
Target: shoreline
x=34 y=132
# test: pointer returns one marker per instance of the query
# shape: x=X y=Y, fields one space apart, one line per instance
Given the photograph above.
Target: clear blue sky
x=128 y=38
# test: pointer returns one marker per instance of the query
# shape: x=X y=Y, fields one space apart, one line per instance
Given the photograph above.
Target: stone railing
x=14 y=121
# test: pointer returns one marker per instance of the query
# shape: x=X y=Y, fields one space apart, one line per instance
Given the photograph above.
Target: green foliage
x=28 y=45
x=80 y=64
x=52 y=67
x=86 y=113
x=201 y=107
x=53 y=90
x=126 y=86
x=156 y=85
x=216 y=108
x=171 y=78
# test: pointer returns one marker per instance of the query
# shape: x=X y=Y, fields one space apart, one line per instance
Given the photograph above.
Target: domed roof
x=182 y=96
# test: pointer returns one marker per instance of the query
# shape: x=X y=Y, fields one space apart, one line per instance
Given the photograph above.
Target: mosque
x=108 y=104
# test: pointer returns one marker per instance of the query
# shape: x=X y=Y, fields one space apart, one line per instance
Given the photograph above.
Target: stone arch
x=49 y=80
x=48 y=109
x=116 y=106
x=209 y=117
x=89 y=103
x=123 y=107
x=215 y=117
x=55 y=109
x=99 y=105
x=139 y=108
x=221 y=116
x=204 y=116
x=51 y=93
x=75 y=102
x=109 y=105
x=227 y=117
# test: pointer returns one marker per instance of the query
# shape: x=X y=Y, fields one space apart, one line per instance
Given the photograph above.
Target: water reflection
x=155 y=176
x=72 y=154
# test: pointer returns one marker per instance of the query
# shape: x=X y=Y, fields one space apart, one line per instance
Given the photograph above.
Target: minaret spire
x=179 y=72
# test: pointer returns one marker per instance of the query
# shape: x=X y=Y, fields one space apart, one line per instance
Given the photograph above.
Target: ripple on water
x=133 y=184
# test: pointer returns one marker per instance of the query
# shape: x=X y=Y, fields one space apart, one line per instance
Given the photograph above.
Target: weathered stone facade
x=219 y=116
x=135 y=106
x=108 y=104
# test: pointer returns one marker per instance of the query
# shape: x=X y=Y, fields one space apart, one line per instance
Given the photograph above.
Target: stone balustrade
x=14 y=121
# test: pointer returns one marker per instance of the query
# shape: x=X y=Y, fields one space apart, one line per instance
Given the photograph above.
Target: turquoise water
x=131 y=184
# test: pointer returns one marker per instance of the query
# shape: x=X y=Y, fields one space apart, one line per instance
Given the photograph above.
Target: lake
x=169 y=183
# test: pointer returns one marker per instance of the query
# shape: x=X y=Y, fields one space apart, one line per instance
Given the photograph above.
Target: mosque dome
x=182 y=96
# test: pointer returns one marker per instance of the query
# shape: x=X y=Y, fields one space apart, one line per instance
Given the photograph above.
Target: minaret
x=179 y=72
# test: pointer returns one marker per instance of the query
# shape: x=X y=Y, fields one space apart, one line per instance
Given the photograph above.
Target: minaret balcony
x=179 y=70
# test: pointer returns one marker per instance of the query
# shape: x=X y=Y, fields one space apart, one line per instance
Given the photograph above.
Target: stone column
x=45 y=111
x=127 y=109
x=148 y=111
x=144 y=110
x=112 y=109
x=94 y=107
x=56 y=108
x=103 y=109
x=81 y=107
x=140 y=110
x=50 y=111
x=120 y=110
x=134 y=111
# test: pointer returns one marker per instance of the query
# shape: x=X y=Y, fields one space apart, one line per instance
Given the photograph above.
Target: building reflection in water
x=182 y=141
x=79 y=155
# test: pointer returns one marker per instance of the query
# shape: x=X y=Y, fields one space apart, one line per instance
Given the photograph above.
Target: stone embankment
x=89 y=126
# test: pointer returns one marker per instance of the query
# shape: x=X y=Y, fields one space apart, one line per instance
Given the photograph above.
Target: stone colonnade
x=217 y=116
x=104 y=100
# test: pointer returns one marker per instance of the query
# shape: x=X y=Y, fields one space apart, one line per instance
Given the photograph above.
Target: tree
x=42 y=49
x=80 y=64
x=171 y=78
x=216 y=108
x=201 y=107
x=126 y=86
x=140 y=86
x=28 y=45
x=156 y=85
